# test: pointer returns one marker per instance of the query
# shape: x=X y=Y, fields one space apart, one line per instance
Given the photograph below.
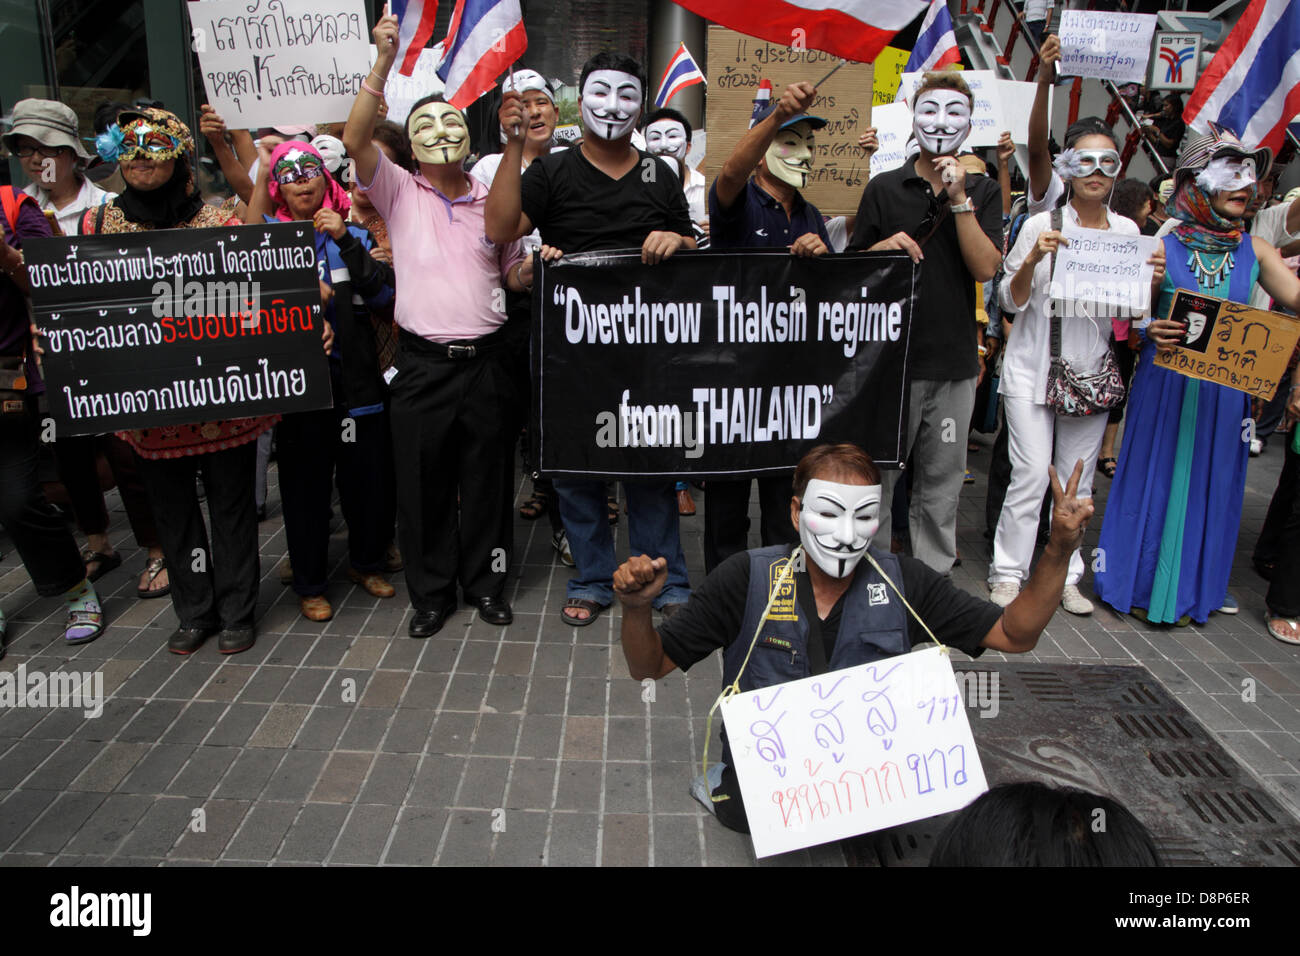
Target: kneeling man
x=843 y=614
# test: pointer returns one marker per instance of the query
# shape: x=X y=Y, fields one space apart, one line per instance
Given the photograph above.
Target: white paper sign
x=401 y=92
x=852 y=751
x=999 y=105
x=893 y=123
x=1108 y=46
x=271 y=62
x=1103 y=275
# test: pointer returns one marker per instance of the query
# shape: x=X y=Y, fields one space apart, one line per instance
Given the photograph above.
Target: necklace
x=1210 y=275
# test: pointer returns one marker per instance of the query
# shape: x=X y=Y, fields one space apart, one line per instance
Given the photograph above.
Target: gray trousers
x=938 y=419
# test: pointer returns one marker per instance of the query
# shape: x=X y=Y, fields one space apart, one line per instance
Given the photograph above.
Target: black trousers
x=40 y=534
x=726 y=517
x=216 y=585
x=317 y=449
x=76 y=460
x=453 y=436
x=1279 y=540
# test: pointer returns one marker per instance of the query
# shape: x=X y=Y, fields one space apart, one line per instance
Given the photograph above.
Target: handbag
x=1068 y=392
x=13 y=384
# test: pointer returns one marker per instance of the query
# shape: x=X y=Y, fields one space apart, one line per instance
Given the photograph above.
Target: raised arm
x=736 y=170
x=1278 y=281
x=259 y=199
x=360 y=129
x=213 y=127
x=637 y=582
x=503 y=216
x=1040 y=156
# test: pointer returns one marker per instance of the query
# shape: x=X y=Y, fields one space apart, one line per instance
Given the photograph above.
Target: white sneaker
x=1004 y=592
x=1074 y=601
x=1256 y=447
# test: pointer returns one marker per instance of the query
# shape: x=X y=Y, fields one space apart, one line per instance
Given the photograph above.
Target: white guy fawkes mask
x=837 y=522
x=611 y=103
x=1195 y=325
x=941 y=120
x=438 y=134
x=790 y=156
x=666 y=137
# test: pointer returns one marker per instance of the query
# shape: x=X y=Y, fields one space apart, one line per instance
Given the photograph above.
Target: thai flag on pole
x=1252 y=85
x=484 y=38
x=762 y=99
x=415 y=19
x=936 y=44
x=682 y=71
x=853 y=29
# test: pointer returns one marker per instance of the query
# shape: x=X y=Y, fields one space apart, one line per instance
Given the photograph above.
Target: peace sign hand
x=1070 y=514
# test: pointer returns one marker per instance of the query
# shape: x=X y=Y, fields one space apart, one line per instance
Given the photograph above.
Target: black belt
x=464 y=349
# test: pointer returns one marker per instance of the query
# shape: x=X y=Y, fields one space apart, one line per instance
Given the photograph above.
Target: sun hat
x=49 y=122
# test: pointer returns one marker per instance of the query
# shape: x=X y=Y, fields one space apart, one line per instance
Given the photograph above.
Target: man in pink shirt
x=450 y=387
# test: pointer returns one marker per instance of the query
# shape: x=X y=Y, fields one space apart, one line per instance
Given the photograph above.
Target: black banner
x=718 y=363
x=179 y=325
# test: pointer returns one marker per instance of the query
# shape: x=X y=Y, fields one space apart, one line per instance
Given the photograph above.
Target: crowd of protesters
x=426 y=270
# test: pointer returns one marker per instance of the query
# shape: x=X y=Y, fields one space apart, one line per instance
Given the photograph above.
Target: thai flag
x=415 y=19
x=762 y=99
x=1252 y=85
x=936 y=44
x=853 y=29
x=682 y=71
x=484 y=38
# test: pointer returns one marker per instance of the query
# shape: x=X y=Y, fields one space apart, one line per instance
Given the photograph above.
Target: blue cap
x=816 y=121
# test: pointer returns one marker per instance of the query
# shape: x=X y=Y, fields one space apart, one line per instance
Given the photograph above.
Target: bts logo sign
x=1176 y=61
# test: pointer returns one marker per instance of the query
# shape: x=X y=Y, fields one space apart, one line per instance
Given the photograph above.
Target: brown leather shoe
x=685 y=503
x=315 y=608
x=374 y=584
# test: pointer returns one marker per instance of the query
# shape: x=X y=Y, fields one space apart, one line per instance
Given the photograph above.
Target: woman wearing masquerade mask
x=1175 y=506
x=1089 y=165
x=352 y=438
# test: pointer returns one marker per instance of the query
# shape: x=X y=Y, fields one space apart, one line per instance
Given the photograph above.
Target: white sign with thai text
x=893 y=123
x=1103 y=275
x=1107 y=46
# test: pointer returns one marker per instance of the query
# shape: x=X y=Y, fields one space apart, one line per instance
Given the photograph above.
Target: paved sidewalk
x=349 y=743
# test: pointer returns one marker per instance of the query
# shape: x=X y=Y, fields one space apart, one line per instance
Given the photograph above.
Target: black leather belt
x=457 y=351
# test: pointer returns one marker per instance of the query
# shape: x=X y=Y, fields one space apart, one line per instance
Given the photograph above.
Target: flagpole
x=831 y=73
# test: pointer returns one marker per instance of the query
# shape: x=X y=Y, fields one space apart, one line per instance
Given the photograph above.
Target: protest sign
x=1101 y=274
x=852 y=751
x=738 y=63
x=886 y=73
x=718 y=363
x=270 y=62
x=1176 y=62
x=401 y=92
x=999 y=105
x=893 y=123
x=1231 y=344
x=1106 y=46
x=177 y=326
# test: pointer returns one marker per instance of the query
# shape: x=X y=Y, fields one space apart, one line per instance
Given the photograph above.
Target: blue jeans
x=652 y=530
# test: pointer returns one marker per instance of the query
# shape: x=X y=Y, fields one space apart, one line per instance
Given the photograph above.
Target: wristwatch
x=967 y=206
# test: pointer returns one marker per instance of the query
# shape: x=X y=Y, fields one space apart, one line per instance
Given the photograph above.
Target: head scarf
x=1202 y=228
x=336 y=196
x=177 y=201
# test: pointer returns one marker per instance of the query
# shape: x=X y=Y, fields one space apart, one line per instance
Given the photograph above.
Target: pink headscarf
x=336 y=197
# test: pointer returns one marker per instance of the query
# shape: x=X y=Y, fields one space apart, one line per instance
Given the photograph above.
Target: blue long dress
x=1171 y=521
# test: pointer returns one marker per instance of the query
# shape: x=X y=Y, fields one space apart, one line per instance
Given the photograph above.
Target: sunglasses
x=300 y=172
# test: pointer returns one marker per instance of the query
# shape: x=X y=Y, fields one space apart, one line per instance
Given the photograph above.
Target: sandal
x=582 y=604
x=1107 y=466
x=1292 y=637
x=103 y=563
x=612 y=505
x=534 y=507
x=155 y=567
x=88 y=623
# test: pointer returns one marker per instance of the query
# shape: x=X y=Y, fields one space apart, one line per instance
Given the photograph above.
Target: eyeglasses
x=303 y=173
x=45 y=152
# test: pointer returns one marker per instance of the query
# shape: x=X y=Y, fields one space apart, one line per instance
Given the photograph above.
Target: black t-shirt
x=1174 y=128
x=578 y=208
x=943 y=346
x=713 y=616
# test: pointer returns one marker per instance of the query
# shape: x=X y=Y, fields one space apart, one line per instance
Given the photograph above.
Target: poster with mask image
x=718 y=364
x=1231 y=344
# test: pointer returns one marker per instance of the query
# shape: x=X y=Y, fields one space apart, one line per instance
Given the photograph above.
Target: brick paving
x=349 y=743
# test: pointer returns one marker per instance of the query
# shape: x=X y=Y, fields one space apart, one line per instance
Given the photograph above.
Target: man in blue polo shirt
x=755 y=203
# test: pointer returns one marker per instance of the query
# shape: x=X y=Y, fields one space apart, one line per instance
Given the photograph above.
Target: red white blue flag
x=682 y=71
x=936 y=44
x=1252 y=85
x=415 y=20
x=484 y=39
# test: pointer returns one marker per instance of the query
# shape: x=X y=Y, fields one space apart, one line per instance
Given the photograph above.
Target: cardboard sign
x=738 y=63
x=270 y=62
x=999 y=105
x=1106 y=46
x=1231 y=344
x=852 y=751
x=401 y=92
x=1103 y=275
x=893 y=123
x=1176 y=62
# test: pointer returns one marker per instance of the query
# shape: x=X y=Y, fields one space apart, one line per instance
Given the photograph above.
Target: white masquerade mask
x=611 y=103
x=837 y=522
x=790 y=156
x=1227 y=174
x=941 y=120
x=1078 y=163
x=438 y=134
x=666 y=137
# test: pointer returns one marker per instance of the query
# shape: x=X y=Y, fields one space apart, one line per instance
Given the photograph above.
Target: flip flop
x=591 y=607
x=106 y=562
x=533 y=508
x=1107 y=466
x=1293 y=638
x=155 y=567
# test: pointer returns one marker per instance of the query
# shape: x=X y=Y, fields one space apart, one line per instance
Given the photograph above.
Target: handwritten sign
x=1103 y=275
x=886 y=73
x=1231 y=344
x=738 y=63
x=852 y=751
x=893 y=124
x=1176 y=62
x=267 y=62
x=999 y=105
x=1107 y=46
x=401 y=92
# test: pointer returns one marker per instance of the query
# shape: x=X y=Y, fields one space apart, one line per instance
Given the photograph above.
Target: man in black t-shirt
x=605 y=194
x=832 y=612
